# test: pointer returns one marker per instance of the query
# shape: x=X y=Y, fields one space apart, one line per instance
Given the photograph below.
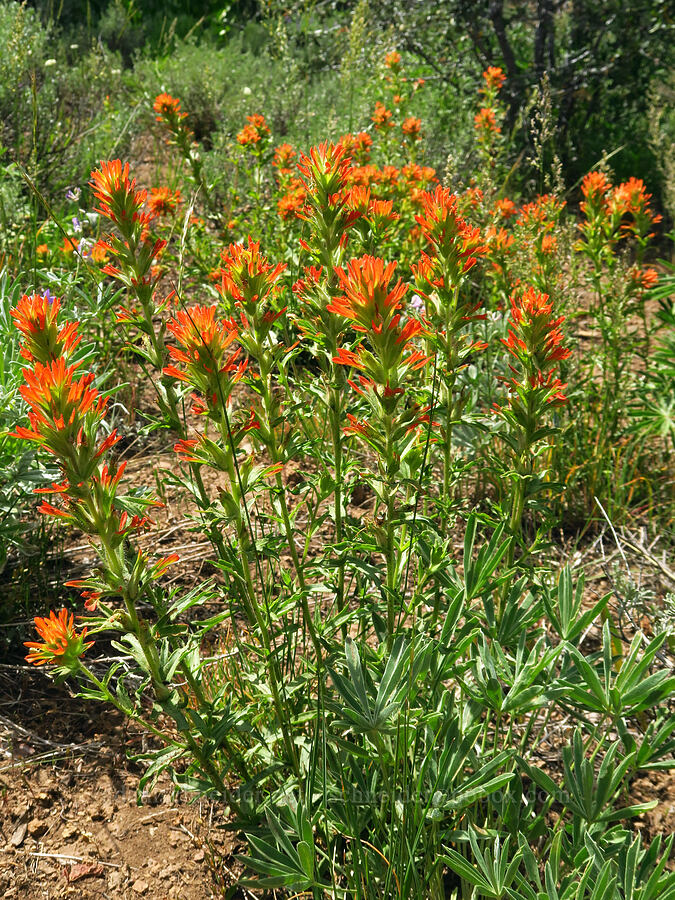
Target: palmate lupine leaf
x=585 y=793
x=285 y=860
x=479 y=576
x=656 y=747
x=494 y=869
x=584 y=882
x=639 y=871
x=521 y=611
x=626 y=692
x=365 y=706
x=565 y=613
x=507 y=685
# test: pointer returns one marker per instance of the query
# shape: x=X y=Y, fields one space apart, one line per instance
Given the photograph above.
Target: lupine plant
x=402 y=666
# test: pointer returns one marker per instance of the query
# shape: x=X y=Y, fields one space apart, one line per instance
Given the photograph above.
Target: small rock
x=36 y=828
x=139 y=886
x=69 y=832
x=19 y=834
x=115 y=879
x=199 y=856
x=83 y=870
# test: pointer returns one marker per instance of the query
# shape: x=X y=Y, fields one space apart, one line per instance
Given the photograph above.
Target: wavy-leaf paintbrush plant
x=396 y=663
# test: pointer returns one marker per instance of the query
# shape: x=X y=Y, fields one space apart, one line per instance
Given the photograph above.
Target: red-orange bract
x=283 y=158
x=535 y=337
x=208 y=366
x=505 y=207
x=163 y=201
x=117 y=195
x=375 y=309
x=357 y=146
x=292 y=204
x=35 y=317
x=594 y=185
x=61 y=643
x=494 y=79
x=167 y=107
x=368 y=304
x=485 y=121
x=411 y=127
x=456 y=243
x=204 y=338
x=325 y=167
x=247 y=277
x=255 y=132
x=64 y=412
x=382 y=116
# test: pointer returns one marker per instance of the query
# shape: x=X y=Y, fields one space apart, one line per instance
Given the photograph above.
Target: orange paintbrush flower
x=201 y=334
x=64 y=413
x=456 y=243
x=643 y=279
x=541 y=215
x=292 y=204
x=99 y=252
x=283 y=158
x=167 y=107
x=325 y=168
x=116 y=193
x=494 y=79
x=208 y=366
x=485 y=122
x=595 y=186
x=420 y=176
x=163 y=201
x=249 y=281
x=411 y=128
x=35 y=317
x=382 y=117
x=61 y=644
x=357 y=199
x=70 y=245
x=381 y=212
x=375 y=308
x=255 y=132
x=368 y=302
x=505 y=207
x=499 y=240
x=632 y=198
x=357 y=146
x=535 y=337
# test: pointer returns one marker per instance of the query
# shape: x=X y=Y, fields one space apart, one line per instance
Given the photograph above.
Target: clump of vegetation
x=391 y=382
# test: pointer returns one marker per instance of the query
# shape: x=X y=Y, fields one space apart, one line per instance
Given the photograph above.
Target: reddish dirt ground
x=70 y=823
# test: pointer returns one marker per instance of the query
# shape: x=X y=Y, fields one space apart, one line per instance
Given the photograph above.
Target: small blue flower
x=73 y=194
x=77 y=225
